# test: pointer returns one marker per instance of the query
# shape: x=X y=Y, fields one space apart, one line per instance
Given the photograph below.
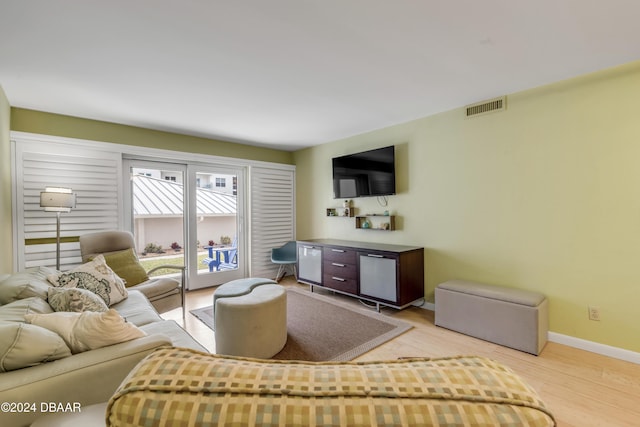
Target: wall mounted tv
x=370 y=173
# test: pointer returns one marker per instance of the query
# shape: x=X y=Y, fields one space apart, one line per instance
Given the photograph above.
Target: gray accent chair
x=164 y=293
x=283 y=256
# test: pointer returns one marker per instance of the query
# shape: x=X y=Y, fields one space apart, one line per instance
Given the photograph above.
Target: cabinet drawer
x=335 y=268
x=340 y=284
x=344 y=256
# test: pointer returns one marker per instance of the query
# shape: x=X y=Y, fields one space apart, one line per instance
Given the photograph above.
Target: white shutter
x=94 y=175
x=272 y=216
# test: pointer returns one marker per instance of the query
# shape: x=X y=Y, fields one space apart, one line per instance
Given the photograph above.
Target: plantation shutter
x=272 y=216
x=94 y=175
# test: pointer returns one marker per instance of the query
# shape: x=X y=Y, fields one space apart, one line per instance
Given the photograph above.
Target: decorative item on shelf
x=378 y=223
x=342 y=212
x=58 y=200
x=347 y=207
x=386 y=213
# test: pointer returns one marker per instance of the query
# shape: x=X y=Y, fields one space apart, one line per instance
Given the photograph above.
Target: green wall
x=18 y=119
x=543 y=196
x=6 y=229
x=74 y=127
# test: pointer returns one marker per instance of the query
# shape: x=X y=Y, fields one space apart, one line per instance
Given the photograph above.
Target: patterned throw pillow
x=75 y=299
x=95 y=276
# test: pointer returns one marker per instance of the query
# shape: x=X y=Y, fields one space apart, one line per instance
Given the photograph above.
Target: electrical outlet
x=594 y=313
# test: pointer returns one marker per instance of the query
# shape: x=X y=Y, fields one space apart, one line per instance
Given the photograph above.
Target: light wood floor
x=582 y=389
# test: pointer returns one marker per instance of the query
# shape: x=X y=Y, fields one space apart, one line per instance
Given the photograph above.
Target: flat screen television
x=366 y=174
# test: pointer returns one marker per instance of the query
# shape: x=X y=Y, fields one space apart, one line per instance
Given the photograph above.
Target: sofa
x=36 y=370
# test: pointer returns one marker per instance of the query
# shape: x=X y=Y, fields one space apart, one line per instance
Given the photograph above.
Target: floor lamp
x=58 y=200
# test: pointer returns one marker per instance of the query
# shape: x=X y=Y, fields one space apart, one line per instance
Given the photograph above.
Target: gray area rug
x=321 y=328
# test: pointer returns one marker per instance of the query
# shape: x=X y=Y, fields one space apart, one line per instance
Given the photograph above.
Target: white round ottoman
x=253 y=324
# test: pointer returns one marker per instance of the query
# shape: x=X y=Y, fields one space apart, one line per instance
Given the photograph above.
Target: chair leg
x=280 y=271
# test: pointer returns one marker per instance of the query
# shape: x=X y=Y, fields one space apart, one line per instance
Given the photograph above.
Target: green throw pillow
x=126 y=265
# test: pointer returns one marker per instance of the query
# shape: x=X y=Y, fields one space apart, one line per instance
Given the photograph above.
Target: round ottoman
x=253 y=324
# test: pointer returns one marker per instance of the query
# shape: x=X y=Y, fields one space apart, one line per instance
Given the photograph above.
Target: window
x=94 y=171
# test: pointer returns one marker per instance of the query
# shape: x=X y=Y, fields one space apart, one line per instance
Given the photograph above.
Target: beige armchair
x=118 y=247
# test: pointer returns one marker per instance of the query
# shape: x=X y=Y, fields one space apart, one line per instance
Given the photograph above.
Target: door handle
x=339 y=279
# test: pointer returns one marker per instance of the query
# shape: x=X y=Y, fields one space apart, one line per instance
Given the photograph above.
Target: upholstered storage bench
x=514 y=318
x=188 y=388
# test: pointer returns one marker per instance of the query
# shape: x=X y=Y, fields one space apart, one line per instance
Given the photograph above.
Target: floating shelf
x=344 y=212
x=377 y=222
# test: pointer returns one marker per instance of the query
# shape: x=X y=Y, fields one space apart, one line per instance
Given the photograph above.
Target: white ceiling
x=295 y=73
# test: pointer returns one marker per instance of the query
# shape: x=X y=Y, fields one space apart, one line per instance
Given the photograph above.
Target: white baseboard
x=422 y=303
x=594 y=347
x=429 y=306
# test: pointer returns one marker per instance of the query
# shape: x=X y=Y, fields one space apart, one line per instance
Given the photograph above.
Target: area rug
x=321 y=328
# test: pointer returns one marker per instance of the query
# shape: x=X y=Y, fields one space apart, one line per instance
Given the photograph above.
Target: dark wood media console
x=391 y=275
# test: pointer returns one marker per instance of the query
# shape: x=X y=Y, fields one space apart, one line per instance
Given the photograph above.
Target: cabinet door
x=378 y=276
x=309 y=264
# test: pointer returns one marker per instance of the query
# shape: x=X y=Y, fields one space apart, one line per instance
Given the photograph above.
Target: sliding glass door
x=156 y=213
x=188 y=215
x=216 y=225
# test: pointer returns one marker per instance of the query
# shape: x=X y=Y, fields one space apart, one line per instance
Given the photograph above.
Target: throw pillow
x=23 y=345
x=95 y=276
x=75 y=299
x=87 y=330
x=126 y=265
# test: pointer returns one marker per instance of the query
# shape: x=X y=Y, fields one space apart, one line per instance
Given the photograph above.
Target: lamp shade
x=56 y=199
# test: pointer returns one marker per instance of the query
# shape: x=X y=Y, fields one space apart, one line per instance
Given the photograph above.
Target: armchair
x=118 y=247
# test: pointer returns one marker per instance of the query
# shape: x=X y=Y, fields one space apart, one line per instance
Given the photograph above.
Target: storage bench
x=514 y=318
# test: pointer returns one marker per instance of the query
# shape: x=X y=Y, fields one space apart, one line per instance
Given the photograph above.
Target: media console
x=390 y=275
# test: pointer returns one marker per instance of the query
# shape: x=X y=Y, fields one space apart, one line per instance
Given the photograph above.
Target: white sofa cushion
x=31 y=282
x=22 y=345
x=15 y=311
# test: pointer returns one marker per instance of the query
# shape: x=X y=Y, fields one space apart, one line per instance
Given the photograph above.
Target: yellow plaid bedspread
x=182 y=387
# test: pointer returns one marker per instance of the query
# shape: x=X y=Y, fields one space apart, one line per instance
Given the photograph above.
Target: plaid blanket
x=183 y=387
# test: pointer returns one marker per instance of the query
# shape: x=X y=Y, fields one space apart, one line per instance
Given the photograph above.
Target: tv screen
x=370 y=173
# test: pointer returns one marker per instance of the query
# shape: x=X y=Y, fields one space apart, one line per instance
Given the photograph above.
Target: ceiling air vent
x=484 y=107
